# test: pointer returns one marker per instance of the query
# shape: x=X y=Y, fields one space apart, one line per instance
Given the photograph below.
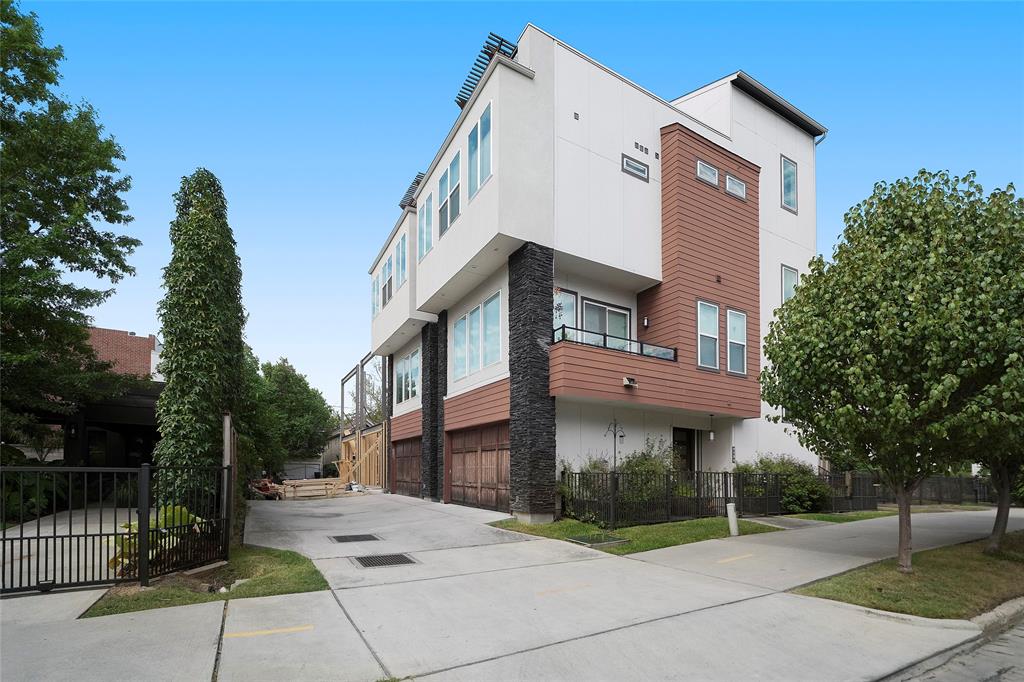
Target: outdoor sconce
x=711 y=429
x=645 y=322
x=629 y=382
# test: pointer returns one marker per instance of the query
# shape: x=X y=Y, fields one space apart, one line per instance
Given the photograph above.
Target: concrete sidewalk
x=482 y=603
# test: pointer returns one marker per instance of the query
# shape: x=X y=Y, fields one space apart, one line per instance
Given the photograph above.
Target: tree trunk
x=903 y=495
x=1002 y=481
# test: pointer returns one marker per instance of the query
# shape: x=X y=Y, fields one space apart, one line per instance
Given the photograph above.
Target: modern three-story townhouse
x=584 y=267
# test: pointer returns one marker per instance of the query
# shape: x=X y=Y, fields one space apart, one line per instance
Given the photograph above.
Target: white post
x=734 y=526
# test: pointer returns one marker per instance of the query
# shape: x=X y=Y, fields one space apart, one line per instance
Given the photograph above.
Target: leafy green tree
x=59 y=178
x=257 y=422
x=202 y=320
x=908 y=343
x=306 y=420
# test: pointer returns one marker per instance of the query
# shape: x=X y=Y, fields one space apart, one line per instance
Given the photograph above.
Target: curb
x=1001 y=617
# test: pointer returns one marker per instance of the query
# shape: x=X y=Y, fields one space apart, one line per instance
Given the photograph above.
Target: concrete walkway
x=483 y=603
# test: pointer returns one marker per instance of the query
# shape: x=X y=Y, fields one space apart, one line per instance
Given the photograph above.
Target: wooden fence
x=362 y=459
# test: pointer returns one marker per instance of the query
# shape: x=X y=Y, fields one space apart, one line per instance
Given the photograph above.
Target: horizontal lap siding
x=707 y=234
x=409 y=425
x=484 y=405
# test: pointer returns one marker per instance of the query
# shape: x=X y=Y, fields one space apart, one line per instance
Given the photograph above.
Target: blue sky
x=316 y=116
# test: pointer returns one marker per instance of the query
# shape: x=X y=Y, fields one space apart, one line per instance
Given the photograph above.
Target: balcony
x=616 y=343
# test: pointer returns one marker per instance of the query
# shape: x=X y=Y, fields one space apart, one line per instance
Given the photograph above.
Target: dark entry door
x=479 y=472
x=407 y=466
x=684 y=446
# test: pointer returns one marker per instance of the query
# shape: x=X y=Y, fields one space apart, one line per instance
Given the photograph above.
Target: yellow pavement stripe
x=260 y=633
x=734 y=558
x=559 y=590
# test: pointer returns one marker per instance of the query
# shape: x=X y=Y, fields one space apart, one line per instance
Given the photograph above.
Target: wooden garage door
x=479 y=467
x=406 y=466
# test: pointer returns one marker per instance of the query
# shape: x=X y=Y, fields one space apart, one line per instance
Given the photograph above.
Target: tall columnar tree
x=305 y=418
x=908 y=344
x=202 y=322
x=60 y=190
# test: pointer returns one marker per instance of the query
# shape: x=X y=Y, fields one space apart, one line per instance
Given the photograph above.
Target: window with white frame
x=735 y=186
x=400 y=262
x=564 y=308
x=480 y=152
x=707 y=335
x=386 y=282
x=789 y=184
x=605 y=325
x=736 y=329
x=790 y=277
x=476 y=341
x=448 y=195
x=375 y=296
x=407 y=377
x=707 y=172
x=425 y=231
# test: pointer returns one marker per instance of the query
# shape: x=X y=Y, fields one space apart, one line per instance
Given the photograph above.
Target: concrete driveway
x=482 y=603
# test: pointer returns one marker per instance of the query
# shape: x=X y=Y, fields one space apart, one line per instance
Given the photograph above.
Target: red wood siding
x=484 y=405
x=710 y=252
x=409 y=425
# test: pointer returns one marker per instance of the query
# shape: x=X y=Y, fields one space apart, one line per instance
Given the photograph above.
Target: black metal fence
x=850 y=491
x=73 y=526
x=946 y=490
x=621 y=499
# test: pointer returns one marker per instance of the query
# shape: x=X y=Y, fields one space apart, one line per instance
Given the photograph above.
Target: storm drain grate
x=380 y=560
x=353 y=538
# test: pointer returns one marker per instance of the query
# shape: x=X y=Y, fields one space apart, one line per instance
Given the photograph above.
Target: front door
x=684 y=447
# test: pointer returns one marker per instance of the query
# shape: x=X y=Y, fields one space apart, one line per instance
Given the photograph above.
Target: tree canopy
x=60 y=191
x=304 y=417
x=202 y=321
x=909 y=341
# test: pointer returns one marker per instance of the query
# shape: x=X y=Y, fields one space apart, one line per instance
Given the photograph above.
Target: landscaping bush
x=802 y=490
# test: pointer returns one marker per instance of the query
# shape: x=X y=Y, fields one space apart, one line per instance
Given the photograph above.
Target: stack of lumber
x=312 y=487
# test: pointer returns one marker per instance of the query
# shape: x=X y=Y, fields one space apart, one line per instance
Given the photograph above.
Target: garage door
x=406 y=466
x=478 y=472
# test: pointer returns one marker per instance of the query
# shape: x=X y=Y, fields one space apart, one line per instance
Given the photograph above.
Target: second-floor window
x=707 y=172
x=407 y=377
x=476 y=341
x=789 y=184
x=737 y=337
x=480 y=152
x=425 y=233
x=735 y=186
x=707 y=335
x=564 y=308
x=386 y=282
x=400 y=262
x=790 y=277
x=448 y=195
x=375 y=296
x=605 y=325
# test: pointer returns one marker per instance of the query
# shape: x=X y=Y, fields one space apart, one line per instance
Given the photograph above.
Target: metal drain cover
x=380 y=560
x=353 y=538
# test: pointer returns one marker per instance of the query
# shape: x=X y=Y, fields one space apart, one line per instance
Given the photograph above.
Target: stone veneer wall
x=531 y=407
x=441 y=384
x=387 y=367
x=429 y=405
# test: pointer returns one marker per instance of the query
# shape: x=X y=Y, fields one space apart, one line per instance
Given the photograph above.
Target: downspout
x=821 y=139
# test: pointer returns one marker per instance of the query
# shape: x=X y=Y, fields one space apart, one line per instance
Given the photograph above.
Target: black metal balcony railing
x=602 y=340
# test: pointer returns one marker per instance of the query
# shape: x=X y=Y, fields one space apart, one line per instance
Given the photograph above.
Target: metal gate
x=479 y=469
x=73 y=526
x=407 y=466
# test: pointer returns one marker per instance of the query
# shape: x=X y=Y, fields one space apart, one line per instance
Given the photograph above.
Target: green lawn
x=270 y=571
x=950 y=582
x=641 y=538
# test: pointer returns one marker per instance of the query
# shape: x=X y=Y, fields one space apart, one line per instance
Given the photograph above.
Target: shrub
x=802 y=490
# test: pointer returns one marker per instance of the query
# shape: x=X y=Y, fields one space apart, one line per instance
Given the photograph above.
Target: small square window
x=635 y=168
x=707 y=173
x=735 y=186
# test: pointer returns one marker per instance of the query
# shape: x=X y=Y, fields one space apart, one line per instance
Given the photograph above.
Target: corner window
x=448 y=195
x=707 y=335
x=790 y=277
x=385 y=282
x=425 y=232
x=735 y=186
x=737 y=337
x=707 y=172
x=400 y=264
x=636 y=168
x=375 y=296
x=476 y=341
x=407 y=377
x=789 y=184
x=480 y=152
x=564 y=309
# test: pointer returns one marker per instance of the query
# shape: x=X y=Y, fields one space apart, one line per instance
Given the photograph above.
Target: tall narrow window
x=407 y=376
x=385 y=282
x=480 y=152
x=737 y=336
x=790 y=277
x=492 y=330
x=400 y=264
x=414 y=374
x=789 y=184
x=425 y=234
x=459 y=344
x=564 y=314
x=707 y=335
x=473 y=343
x=375 y=296
x=448 y=195
x=400 y=380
